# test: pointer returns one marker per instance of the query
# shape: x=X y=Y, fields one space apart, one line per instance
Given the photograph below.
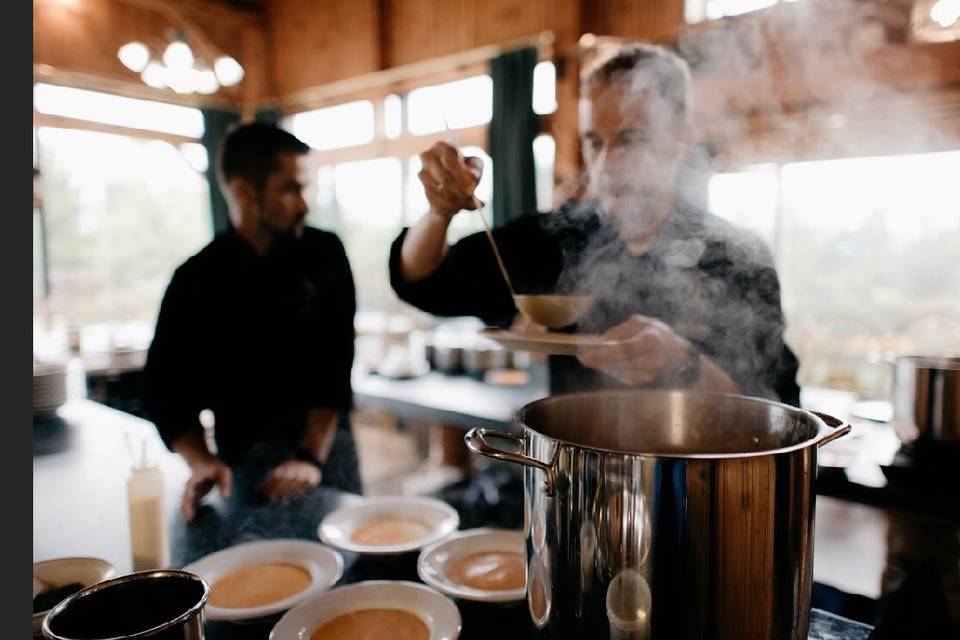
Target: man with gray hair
x=689 y=300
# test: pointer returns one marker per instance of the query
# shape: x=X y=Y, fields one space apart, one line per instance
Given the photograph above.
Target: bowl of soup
x=553 y=311
x=372 y=610
x=388 y=525
x=485 y=565
x=263 y=578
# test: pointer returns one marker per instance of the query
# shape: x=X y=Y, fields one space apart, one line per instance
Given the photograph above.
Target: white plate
x=325 y=567
x=549 y=342
x=50 y=574
x=432 y=564
x=437 y=612
x=337 y=527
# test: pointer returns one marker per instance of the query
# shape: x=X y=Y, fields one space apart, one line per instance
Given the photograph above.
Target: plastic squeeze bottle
x=149 y=533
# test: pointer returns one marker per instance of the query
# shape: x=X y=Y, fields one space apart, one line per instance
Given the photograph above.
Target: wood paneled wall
x=791 y=58
x=314 y=43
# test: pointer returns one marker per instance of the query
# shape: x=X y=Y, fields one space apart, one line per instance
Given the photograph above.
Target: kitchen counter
x=454 y=400
x=80 y=465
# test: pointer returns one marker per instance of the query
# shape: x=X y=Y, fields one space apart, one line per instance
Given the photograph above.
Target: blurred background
x=831 y=128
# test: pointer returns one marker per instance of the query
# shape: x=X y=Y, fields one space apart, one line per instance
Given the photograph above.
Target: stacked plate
x=49 y=388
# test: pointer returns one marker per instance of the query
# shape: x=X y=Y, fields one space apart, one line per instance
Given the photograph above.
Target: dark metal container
x=154 y=605
x=926 y=400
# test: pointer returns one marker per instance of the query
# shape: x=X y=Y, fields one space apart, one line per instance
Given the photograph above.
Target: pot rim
x=823 y=429
x=130 y=577
x=945 y=363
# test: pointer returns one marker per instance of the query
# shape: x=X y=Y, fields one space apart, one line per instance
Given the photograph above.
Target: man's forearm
x=192 y=447
x=424 y=247
x=320 y=432
x=714 y=378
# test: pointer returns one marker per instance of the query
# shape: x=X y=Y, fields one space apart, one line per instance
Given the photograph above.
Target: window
x=544 y=88
x=867 y=254
x=344 y=125
x=544 y=155
x=698 y=10
x=120 y=214
x=462 y=103
x=465 y=222
x=362 y=202
x=105 y=108
x=393 y=116
x=366 y=193
x=748 y=198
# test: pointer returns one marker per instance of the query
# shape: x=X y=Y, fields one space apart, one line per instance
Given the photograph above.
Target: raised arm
x=449 y=181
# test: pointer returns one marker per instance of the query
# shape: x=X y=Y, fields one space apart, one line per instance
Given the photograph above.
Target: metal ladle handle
x=476 y=441
x=452 y=141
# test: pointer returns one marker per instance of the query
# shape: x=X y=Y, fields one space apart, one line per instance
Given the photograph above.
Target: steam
x=652 y=235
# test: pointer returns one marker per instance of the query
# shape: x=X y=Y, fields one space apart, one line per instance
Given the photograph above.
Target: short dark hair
x=670 y=70
x=250 y=151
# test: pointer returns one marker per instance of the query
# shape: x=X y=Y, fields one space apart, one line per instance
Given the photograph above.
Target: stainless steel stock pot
x=667 y=514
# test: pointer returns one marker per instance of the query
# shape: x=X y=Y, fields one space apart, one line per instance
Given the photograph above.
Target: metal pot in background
x=447 y=359
x=477 y=360
x=520 y=359
x=926 y=400
x=154 y=605
x=662 y=515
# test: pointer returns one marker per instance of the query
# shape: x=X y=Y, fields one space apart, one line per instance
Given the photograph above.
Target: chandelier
x=178 y=68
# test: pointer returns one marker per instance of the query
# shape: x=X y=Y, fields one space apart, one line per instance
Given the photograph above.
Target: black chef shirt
x=711 y=282
x=259 y=340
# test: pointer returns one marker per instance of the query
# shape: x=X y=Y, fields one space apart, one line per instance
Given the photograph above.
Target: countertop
x=457 y=400
x=80 y=465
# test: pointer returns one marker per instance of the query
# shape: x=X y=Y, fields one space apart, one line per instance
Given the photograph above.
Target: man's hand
x=290 y=478
x=204 y=475
x=647 y=351
x=450 y=179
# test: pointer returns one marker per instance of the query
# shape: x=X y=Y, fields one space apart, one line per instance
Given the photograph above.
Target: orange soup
x=373 y=624
x=389 y=531
x=489 y=570
x=258 y=585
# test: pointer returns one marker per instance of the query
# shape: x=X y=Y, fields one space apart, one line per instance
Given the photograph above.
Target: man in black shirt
x=690 y=300
x=258 y=328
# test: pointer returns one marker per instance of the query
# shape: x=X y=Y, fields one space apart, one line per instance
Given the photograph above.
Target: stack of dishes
x=49 y=388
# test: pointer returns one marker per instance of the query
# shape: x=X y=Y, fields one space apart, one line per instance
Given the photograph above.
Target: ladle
x=550 y=311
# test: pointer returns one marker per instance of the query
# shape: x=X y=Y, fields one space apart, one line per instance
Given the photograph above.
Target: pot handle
x=476 y=441
x=840 y=428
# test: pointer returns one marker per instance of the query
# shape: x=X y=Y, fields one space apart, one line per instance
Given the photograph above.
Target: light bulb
x=945 y=12
x=205 y=81
x=178 y=55
x=180 y=79
x=134 y=56
x=229 y=72
x=153 y=75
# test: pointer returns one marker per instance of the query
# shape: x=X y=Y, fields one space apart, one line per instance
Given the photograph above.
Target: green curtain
x=215 y=126
x=512 y=130
x=269 y=115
